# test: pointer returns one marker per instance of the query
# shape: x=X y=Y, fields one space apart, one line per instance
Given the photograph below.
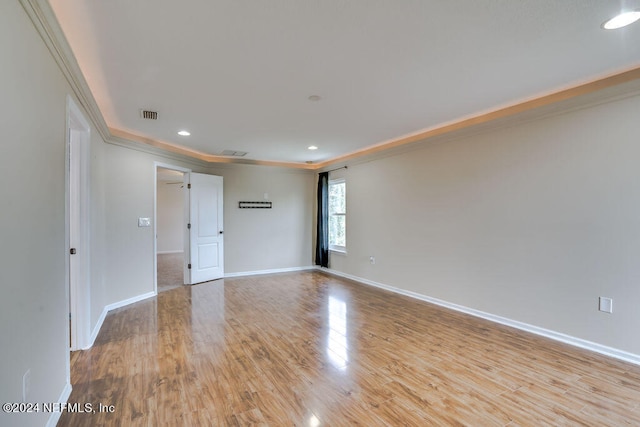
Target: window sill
x=338 y=251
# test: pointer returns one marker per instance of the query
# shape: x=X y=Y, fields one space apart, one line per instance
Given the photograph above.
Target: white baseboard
x=272 y=271
x=170 y=252
x=96 y=329
x=128 y=301
x=557 y=336
x=113 y=306
x=55 y=416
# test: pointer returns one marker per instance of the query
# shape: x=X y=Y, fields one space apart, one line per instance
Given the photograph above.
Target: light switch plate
x=144 y=222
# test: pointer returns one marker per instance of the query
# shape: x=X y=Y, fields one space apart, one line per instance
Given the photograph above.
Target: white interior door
x=206 y=233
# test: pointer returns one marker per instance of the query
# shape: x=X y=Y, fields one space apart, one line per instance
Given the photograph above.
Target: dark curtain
x=322 y=234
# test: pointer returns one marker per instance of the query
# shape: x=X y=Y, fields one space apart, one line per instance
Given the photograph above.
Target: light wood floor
x=307 y=349
x=170 y=271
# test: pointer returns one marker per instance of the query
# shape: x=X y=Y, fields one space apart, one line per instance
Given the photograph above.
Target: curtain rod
x=337 y=169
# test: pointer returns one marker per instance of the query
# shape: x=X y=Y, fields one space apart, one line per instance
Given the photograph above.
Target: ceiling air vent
x=233 y=153
x=151 y=115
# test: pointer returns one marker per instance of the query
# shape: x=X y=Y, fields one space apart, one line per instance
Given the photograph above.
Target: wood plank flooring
x=170 y=271
x=308 y=349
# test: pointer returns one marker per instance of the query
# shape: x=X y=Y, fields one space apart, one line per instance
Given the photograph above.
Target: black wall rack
x=254 y=205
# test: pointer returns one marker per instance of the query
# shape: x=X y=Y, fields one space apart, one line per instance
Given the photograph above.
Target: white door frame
x=187 y=173
x=77 y=267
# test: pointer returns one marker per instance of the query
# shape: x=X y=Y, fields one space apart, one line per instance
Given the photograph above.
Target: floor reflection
x=337 y=346
x=311 y=350
x=314 y=421
x=208 y=316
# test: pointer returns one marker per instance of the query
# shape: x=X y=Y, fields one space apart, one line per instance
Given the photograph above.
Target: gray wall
x=532 y=222
x=257 y=240
x=33 y=307
x=265 y=239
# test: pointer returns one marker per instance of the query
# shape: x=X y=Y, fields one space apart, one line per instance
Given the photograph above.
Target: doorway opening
x=171 y=218
x=199 y=222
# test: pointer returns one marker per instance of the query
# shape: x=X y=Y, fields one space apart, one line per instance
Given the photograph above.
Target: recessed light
x=184 y=133
x=312 y=147
x=622 y=20
x=314 y=98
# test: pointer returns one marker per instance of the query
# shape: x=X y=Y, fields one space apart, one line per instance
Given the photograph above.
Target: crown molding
x=556 y=102
x=46 y=23
x=209 y=159
x=43 y=18
x=596 y=91
x=605 y=89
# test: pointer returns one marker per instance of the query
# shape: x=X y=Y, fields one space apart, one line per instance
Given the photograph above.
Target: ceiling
x=238 y=74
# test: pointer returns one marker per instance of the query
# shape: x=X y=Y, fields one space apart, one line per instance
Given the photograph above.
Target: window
x=337 y=215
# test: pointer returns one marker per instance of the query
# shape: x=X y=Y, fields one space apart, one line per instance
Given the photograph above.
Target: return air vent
x=151 y=115
x=233 y=153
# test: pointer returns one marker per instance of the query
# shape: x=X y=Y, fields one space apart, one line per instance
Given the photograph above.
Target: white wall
x=532 y=222
x=170 y=212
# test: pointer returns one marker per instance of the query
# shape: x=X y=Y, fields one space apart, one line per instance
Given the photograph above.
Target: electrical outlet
x=26 y=385
x=372 y=260
x=605 y=305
